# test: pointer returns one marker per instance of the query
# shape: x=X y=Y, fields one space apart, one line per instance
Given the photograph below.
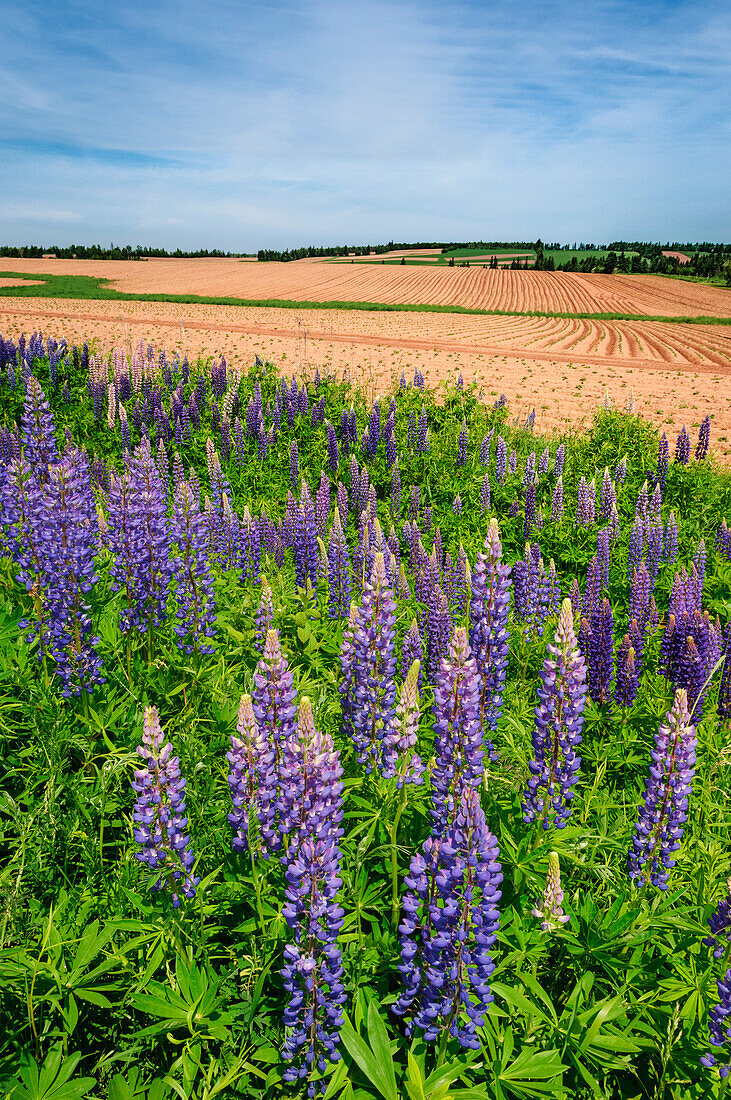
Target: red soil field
x=472 y=287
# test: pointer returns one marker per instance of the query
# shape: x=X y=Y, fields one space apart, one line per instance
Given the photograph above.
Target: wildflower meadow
x=366 y=747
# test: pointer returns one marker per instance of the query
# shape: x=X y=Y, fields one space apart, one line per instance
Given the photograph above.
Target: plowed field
x=472 y=287
x=560 y=367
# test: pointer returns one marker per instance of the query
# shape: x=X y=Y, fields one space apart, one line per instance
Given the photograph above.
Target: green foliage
x=105 y=989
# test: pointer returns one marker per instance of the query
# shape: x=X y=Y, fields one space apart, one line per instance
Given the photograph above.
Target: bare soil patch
x=472 y=287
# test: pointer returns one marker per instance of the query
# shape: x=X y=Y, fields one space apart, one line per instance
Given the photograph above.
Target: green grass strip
x=89 y=288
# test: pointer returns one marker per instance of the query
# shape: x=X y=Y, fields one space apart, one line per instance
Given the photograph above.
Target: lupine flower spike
x=159 y=814
x=550 y=912
x=450 y=923
x=659 y=828
x=559 y=718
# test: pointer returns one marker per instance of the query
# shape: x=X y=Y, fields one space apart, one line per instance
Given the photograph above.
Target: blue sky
x=242 y=125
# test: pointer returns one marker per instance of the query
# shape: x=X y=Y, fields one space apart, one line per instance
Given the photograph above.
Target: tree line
x=113 y=252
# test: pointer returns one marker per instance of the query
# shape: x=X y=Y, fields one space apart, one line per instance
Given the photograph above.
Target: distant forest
x=707 y=258
x=365 y=249
x=114 y=252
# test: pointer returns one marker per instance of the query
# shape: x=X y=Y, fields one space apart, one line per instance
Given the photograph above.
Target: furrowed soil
x=470 y=287
x=562 y=367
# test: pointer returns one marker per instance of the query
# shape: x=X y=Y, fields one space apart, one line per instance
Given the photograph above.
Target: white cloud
x=38 y=214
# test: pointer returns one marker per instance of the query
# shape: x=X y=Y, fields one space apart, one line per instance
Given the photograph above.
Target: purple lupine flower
x=592 y=589
x=273 y=698
x=312 y=972
x=24 y=525
x=603 y=554
x=411 y=430
x=550 y=912
x=512 y=461
x=575 y=597
x=374 y=666
x=462 y=445
x=450 y=923
x=422 y=441
x=607 y=496
x=485 y=494
x=264 y=618
x=601 y=653
x=724 y=691
x=530 y=469
x=661 y=474
x=310 y=782
x=489 y=639
x=585 y=503
x=723 y=540
x=485 y=448
x=501 y=459
x=636 y=546
x=554 y=589
x=322 y=504
x=39 y=436
x=224 y=533
x=412 y=650
x=654 y=537
x=543 y=462
x=218 y=482
x=69 y=542
x=719 y=923
x=374 y=428
x=342 y=497
x=559 y=721
x=346 y=687
x=704 y=435
x=458 y=738
x=252 y=780
x=294 y=465
x=192 y=584
x=364 y=489
x=159 y=814
x=457 y=505
x=437 y=631
x=559 y=463
x=339 y=567
x=718 y=1025
x=557 y=500
x=305 y=541
x=529 y=520
x=627 y=674
x=670 y=548
x=659 y=828
x=682 y=447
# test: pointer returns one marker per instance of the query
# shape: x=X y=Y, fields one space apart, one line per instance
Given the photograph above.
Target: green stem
x=257 y=888
x=443 y=1040
x=393 y=832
